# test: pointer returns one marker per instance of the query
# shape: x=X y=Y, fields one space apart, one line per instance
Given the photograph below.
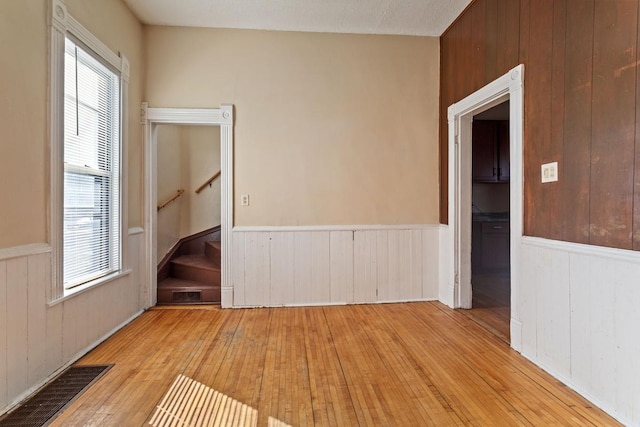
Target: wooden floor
x=412 y=364
x=491 y=304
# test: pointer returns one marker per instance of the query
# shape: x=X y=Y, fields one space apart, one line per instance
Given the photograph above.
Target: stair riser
x=176 y=296
x=196 y=274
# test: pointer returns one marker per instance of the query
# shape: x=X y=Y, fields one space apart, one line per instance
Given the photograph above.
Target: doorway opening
x=222 y=118
x=490 y=254
x=457 y=291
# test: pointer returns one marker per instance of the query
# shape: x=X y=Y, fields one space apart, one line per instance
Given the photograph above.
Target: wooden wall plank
x=512 y=41
x=3 y=334
x=636 y=175
x=17 y=329
x=614 y=98
x=554 y=193
x=479 y=44
x=491 y=41
x=576 y=168
x=365 y=267
x=341 y=266
x=282 y=268
x=538 y=147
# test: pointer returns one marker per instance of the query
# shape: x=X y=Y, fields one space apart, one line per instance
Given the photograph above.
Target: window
x=88 y=93
x=91 y=204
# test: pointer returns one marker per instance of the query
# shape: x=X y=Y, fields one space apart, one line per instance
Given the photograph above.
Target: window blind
x=91 y=230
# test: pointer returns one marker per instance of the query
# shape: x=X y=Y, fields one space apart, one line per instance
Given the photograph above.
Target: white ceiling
x=407 y=17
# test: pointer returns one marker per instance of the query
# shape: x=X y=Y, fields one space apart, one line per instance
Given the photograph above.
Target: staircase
x=192 y=274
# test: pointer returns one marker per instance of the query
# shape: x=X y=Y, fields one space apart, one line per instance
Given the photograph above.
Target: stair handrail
x=175 y=195
x=208 y=182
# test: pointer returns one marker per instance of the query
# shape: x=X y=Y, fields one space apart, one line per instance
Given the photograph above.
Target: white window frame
x=63 y=24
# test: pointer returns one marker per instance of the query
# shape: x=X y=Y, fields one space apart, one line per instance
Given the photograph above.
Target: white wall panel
x=627 y=339
x=38 y=339
x=430 y=265
x=17 y=327
x=384 y=292
x=237 y=270
x=580 y=320
x=38 y=277
x=417 y=264
x=365 y=266
x=553 y=311
x=321 y=265
x=581 y=343
x=341 y=266
x=282 y=268
x=320 y=268
x=257 y=269
x=528 y=295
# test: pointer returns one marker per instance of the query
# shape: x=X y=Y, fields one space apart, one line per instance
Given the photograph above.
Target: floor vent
x=41 y=408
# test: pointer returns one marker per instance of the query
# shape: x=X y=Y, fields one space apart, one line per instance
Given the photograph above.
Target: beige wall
x=330 y=128
x=187 y=157
x=24 y=161
x=200 y=155
x=169 y=165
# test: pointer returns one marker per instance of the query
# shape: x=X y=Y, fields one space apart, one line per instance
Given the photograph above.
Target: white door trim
x=460 y=115
x=151 y=118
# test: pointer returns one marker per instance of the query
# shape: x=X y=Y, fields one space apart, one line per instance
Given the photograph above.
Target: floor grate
x=41 y=408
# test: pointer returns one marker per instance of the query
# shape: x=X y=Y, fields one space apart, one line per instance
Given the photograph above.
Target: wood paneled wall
x=581 y=108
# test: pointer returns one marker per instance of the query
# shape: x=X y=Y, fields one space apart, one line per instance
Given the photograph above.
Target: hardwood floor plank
x=390 y=364
x=332 y=404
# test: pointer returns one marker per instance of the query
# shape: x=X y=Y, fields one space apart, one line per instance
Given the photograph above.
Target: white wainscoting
x=37 y=340
x=291 y=266
x=581 y=320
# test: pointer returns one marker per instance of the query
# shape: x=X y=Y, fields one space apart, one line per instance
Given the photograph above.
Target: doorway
x=457 y=291
x=490 y=214
x=151 y=119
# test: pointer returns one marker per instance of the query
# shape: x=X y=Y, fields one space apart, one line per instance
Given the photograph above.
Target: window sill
x=70 y=293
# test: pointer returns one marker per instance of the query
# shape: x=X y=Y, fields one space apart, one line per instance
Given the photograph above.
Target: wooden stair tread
x=195 y=260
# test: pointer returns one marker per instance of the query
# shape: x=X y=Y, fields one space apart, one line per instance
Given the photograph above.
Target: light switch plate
x=549 y=172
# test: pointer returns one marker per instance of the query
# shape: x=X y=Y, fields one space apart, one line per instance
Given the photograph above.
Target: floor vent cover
x=45 y=405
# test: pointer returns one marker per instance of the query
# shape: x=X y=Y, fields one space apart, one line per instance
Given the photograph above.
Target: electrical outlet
x=244 y=199
x=549 y=172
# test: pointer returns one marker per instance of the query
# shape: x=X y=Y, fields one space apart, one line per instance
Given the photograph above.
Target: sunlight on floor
x=190 y=403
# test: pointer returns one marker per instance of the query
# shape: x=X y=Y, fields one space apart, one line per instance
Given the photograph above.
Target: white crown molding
x=188 y=116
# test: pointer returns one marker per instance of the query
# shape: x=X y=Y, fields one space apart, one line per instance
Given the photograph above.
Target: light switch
x=549 y=172
x=244 y=198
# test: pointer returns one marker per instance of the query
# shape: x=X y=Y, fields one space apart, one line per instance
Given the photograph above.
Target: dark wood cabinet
x=490 y=151
x=490 y=247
